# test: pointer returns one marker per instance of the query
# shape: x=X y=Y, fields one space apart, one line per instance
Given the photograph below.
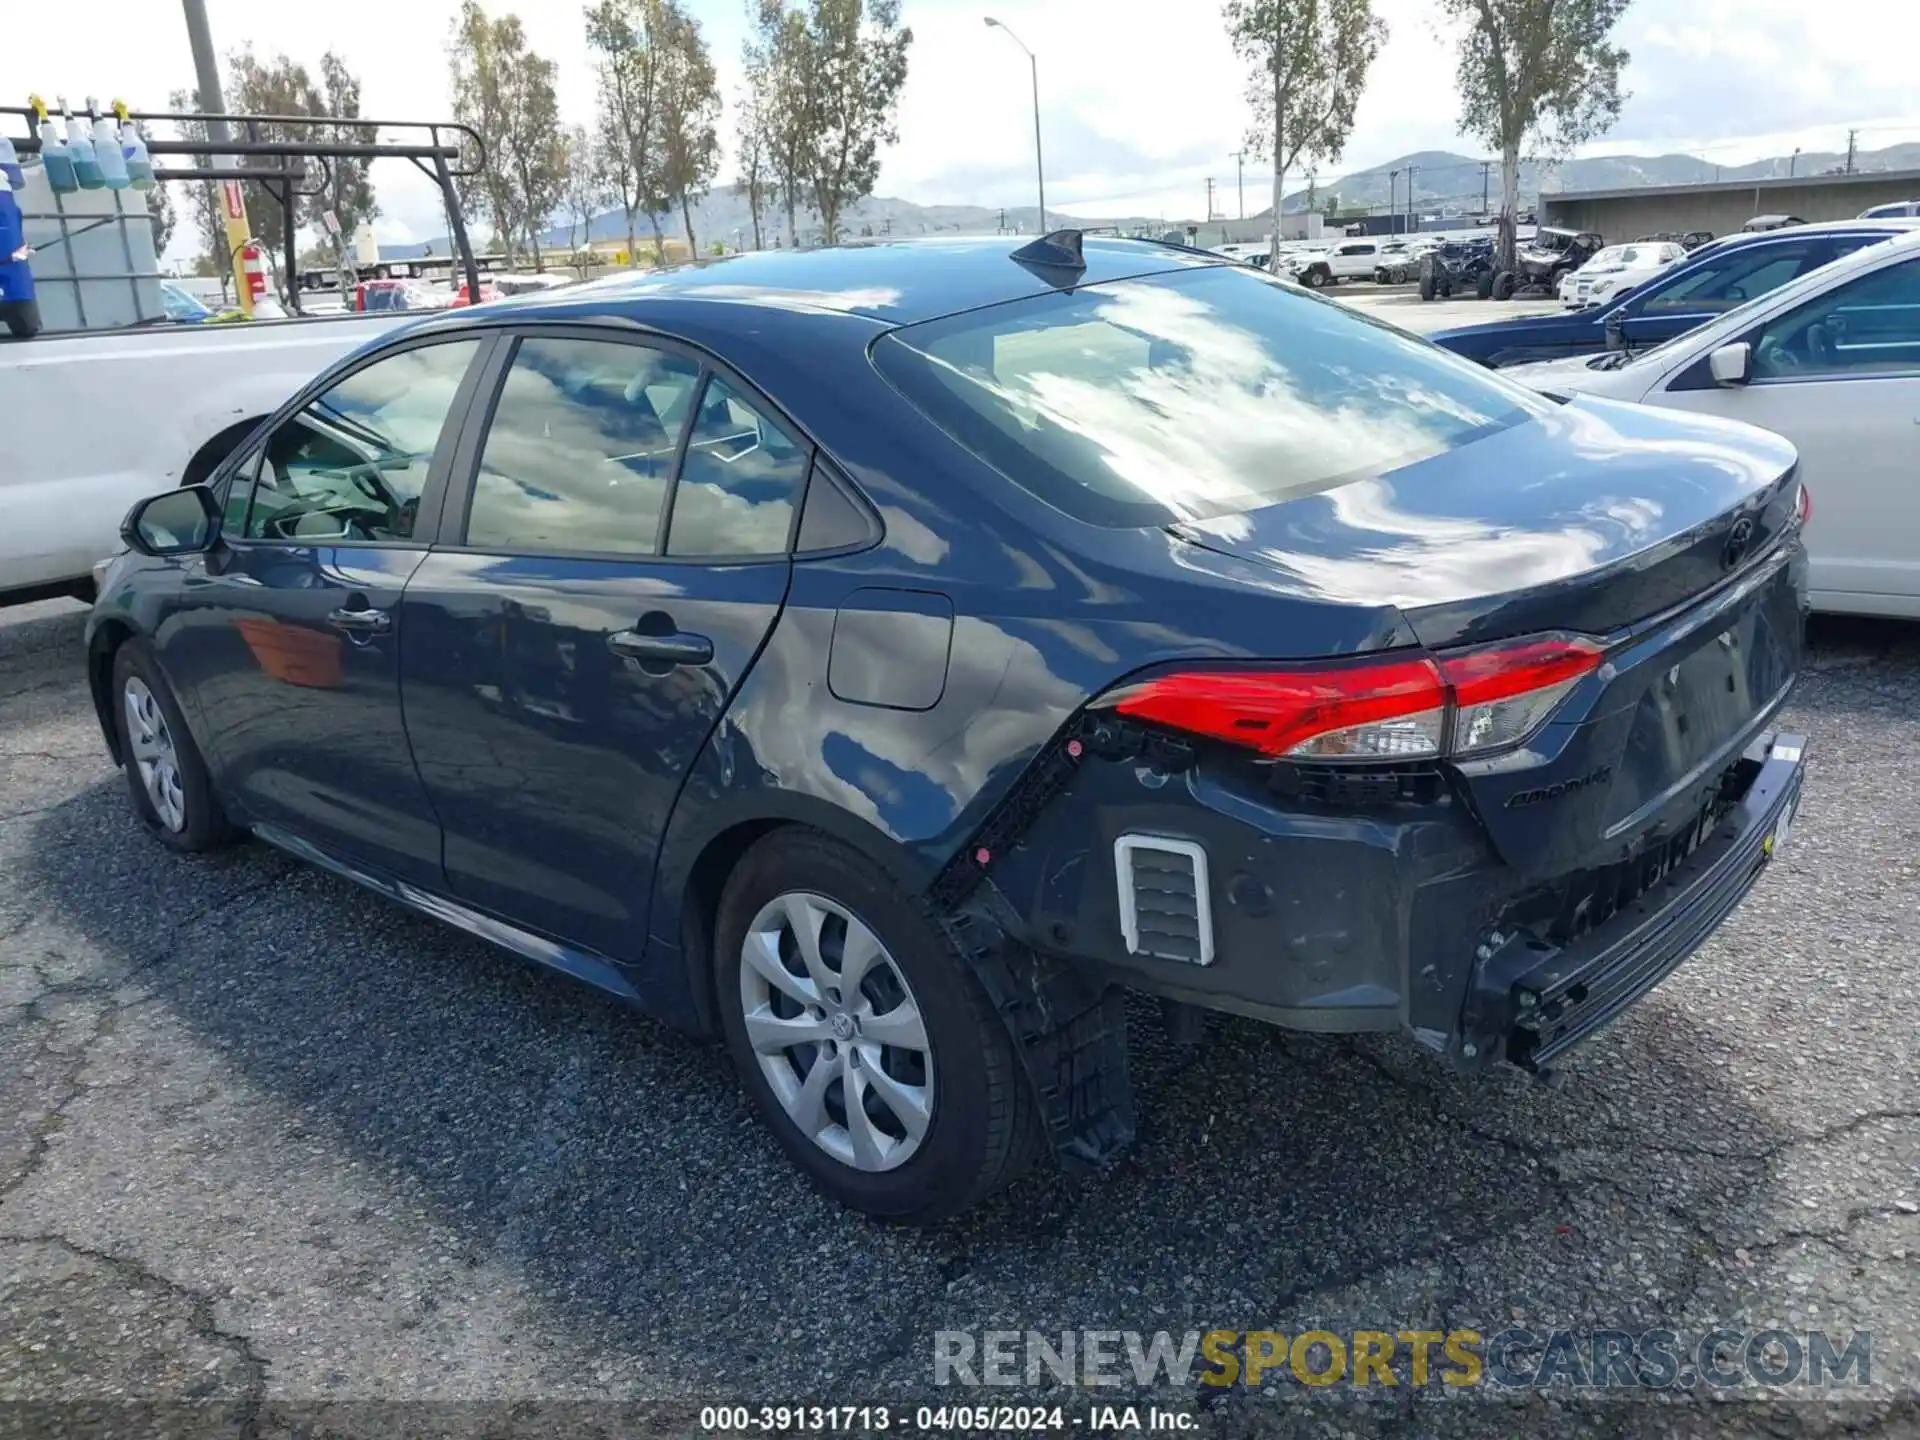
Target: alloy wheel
x=155 y=755
x=837 y=1031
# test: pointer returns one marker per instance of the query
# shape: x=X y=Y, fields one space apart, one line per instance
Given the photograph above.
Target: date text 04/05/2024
x=949 y=1419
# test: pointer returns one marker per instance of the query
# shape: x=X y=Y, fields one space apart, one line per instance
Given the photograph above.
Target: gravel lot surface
x=267 y=1141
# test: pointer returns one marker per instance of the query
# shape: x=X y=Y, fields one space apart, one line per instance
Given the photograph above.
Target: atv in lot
x=1538 y=266
x=1457 y=265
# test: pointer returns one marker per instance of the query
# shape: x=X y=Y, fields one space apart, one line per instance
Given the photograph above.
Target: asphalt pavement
x=267 y=1141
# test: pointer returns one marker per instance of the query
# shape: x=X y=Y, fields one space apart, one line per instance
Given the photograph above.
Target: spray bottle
x=54 y=154
x=86 y=169
x=106 y=147
x=133 y=150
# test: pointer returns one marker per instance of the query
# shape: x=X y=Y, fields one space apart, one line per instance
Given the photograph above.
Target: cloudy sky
x=1141 y=99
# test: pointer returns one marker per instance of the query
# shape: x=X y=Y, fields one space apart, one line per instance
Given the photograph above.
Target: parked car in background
x=1709 y=282
x=505 y=285
x=1771 y=222
x=1399 y=260
x=883 y=658
x=1345 y=260
x=1832 y=362
x=1616 y=270
x=383 y=295
x=1898 y=209
x=182 y=306
x=1694 y=239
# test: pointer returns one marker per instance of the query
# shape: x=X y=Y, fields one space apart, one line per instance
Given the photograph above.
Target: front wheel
x=1427 y=287
x=1504 y=285
x=172 y=793
x=1317 y=278
x=863 y=1039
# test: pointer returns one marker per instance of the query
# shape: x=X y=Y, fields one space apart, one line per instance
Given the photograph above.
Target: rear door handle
x=678 y=648
x=361 y=622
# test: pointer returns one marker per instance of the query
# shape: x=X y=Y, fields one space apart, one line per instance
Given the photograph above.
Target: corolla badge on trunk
x=1565 y=787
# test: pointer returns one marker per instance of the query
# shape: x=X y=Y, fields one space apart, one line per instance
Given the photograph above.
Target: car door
x=288 y=633
x=619 y=543
x=1839 y=376
x=1356 y=258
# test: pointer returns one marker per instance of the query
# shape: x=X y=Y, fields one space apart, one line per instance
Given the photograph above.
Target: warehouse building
x=1725 y=206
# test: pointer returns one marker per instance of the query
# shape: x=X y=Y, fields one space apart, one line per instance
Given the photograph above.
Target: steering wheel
x=1774 y=358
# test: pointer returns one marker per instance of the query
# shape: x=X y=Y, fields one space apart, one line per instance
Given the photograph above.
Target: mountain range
x=1441 y=180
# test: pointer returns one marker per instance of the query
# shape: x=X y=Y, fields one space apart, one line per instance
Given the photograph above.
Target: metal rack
x=448 y=152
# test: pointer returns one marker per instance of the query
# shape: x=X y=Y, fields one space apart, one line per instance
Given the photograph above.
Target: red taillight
x=1415 y=707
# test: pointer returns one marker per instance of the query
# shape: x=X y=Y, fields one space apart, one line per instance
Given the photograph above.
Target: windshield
x=1191 y=395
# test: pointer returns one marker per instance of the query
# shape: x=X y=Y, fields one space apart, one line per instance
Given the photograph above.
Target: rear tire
x=172 y=793
x=1504 y=284
x=1483 y=285
x=944 y=1117
x=1427 y=287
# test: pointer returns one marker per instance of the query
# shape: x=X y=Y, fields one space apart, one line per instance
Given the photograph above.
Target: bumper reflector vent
x=1165 y=911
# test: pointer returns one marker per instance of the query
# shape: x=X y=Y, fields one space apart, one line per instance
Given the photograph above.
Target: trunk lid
x=1590 y=518
x=1659 y=533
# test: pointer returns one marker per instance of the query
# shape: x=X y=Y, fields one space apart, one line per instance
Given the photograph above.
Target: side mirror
x=180 y=522
x=1732 y=364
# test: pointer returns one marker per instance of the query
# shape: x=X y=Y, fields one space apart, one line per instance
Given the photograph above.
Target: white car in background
x=1832 y=362
x=1617 y=269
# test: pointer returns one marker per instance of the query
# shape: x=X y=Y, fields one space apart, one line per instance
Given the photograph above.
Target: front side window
x=1191 y=395
x=350 y=466
x=1869 y=326
x=580 y=452
x=740 y=482
x=1739 y=276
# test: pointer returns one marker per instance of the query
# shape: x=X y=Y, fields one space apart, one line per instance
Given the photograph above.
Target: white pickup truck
x=92 y=421
x=1344 y=260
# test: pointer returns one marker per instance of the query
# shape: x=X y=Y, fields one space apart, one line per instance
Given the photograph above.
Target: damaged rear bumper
x=1530 y=1001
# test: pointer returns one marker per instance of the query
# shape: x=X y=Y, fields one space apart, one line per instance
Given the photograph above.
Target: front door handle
x=678 y=648
x=361 y=622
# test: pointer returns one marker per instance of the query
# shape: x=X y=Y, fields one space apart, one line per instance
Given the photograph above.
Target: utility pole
x=1486 y=172
x=1209 y=197
x=1393 y=192
x=1240 y=179
x=1852 y=135
x=206 y=69
x=1409 y=229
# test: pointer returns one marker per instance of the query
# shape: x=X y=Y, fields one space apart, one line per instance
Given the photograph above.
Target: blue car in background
x=183 y=307
x=1709 y=282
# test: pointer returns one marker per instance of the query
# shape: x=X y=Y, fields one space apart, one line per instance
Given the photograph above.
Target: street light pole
x=1240 y=179
x=1039 y=167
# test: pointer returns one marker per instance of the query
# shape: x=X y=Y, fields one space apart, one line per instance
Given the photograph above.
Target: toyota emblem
x=1739 y=541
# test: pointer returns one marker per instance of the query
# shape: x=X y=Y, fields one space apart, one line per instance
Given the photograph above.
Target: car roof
x=895 y=282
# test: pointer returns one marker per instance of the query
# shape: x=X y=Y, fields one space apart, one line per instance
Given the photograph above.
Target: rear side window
x=580 y=452
x=740 y=482
x=1739 y=276
x=1190 y=395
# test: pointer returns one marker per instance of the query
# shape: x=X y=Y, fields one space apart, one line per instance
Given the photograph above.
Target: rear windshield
x=1191 y=395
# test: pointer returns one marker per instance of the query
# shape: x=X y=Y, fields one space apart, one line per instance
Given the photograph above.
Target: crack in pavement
x=200 y=1311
